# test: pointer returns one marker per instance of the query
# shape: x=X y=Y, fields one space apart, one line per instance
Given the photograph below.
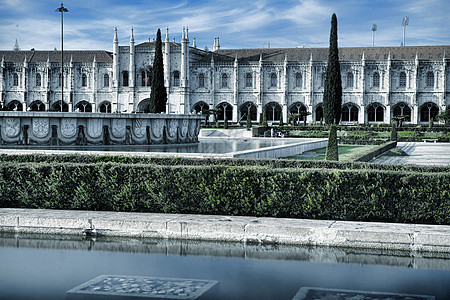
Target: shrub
x=332 y=146
x=394 y=132
x=315 y=193
x=249 y=121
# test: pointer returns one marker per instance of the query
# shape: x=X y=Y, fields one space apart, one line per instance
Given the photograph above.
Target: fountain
x=65 y=128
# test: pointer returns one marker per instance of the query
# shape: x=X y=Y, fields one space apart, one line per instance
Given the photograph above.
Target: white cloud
x=239 y=23
x=308 y=12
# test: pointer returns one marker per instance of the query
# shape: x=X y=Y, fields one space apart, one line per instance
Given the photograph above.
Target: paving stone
x=375 y=235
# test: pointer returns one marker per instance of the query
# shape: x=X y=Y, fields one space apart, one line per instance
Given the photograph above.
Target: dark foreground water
x=47 y=267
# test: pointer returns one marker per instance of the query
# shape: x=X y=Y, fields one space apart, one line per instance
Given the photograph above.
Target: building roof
x=321 y=54
x=245 y=55
x=39 y=56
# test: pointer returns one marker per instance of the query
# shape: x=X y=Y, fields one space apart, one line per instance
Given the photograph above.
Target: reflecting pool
x=209 y=146
x=46 y=267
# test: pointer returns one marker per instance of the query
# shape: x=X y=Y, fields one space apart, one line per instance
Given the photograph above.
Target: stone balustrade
x=68 y=128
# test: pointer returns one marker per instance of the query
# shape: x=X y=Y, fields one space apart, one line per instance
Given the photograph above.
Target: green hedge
x=183 y=161
x=359 y=195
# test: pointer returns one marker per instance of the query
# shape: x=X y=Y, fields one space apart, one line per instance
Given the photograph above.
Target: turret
x=115 y=59
x=184 y=58
x=166 y=60
x=16 y=46
x=216 y=44
x=132 y=57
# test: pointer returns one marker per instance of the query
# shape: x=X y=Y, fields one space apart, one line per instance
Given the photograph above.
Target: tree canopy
x=158 y=95
x=332 y=94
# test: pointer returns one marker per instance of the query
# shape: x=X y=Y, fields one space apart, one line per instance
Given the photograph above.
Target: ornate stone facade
x=378 y=82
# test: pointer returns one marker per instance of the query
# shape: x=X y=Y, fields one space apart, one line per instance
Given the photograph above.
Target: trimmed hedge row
x=359 y=195
x=181 y=161
x=365 y=127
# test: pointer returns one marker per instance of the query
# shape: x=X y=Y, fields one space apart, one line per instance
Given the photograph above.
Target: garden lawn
x=345 y=152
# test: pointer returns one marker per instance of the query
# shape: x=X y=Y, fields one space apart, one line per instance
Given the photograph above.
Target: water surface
x=47 y=267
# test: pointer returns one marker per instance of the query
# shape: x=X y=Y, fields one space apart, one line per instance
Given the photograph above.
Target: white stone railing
x=64 y=128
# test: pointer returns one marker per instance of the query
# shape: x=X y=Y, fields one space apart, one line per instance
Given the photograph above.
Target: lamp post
x=404 y=23
x=374 y=28
x=62 y=10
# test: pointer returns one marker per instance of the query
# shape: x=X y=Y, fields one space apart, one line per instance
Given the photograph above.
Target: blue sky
x=89 y=24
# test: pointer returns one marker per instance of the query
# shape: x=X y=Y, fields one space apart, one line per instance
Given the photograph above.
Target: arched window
x=105 y=107
x=430 y=79
x=298 y=80
x=248 y=108
x=83 y=106
x=402 y=109
x=248 y=80
x=350 y=79
x=375 y=113
x=428 y=111
x=59 y=79
x=273 y=80
x=376 y=79
x=201 y=107
x=144 y=106
x=56 y=106
x=37 y=106
x=83 y=80
x=146 y=78
x=201 y=80
x=322 y=80
x=300 y=109
x=176 y=78
x=319 y=113
x=273 y=111
x=15 y=105
x=349 y=113
x=106 y=80
x=38 y=80
x=224 y=82
x=402 y=80
x=125 y=78
x=224 y=109
x=16 y=79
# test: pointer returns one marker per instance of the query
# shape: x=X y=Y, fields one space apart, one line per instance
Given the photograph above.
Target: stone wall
x=55 y=128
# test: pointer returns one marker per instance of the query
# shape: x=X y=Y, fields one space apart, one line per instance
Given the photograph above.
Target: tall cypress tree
x=158 y=95
x=332 y=94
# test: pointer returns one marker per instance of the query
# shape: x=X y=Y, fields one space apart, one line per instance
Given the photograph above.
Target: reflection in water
x=47 y=267
x=204 y=146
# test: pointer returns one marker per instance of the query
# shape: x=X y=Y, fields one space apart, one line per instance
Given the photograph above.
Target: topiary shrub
x=394 y=135
x=264 y=120
x=225 y=122
x=332 y=146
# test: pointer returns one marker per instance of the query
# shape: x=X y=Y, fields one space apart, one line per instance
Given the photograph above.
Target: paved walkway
x=384 y=236
x=420 y=154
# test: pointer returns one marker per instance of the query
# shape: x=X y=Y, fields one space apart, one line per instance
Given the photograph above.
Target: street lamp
x=404 y=23
x=62 y=10
x=374 y=28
